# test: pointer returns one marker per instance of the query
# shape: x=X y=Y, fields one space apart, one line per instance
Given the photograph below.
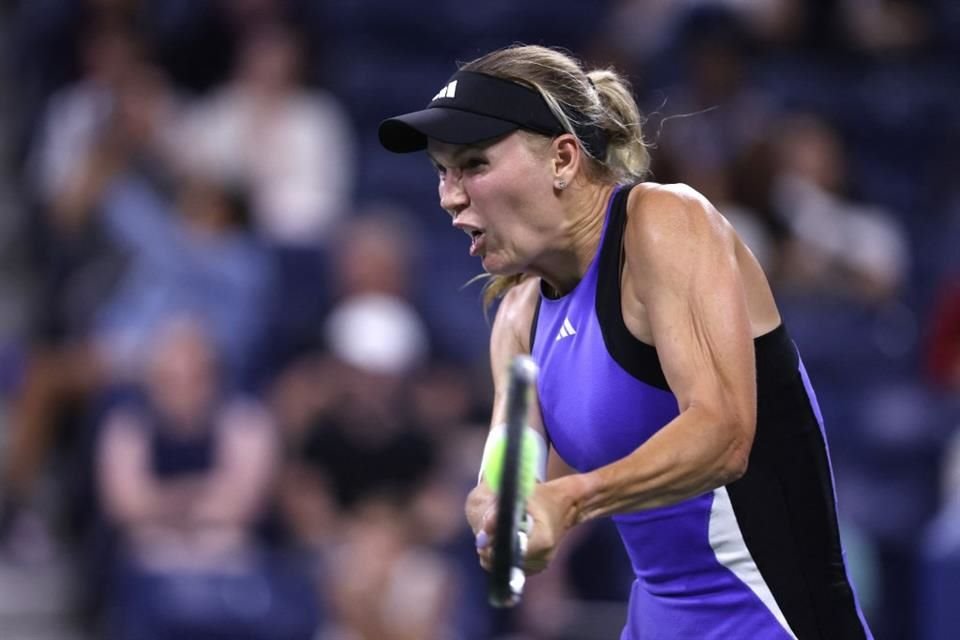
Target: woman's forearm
x=694 y=453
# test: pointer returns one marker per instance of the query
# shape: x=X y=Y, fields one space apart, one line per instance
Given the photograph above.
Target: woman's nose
x=453 y=197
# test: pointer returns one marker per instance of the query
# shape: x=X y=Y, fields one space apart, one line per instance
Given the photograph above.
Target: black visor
x=470 y=108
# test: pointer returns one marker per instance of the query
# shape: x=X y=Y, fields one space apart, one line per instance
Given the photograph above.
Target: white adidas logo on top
x=448 y=91
x=566 y=330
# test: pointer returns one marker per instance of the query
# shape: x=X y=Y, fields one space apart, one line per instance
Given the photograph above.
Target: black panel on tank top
x=637 y=358
x=533 y=325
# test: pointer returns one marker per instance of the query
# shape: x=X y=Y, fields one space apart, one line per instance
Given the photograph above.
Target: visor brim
x=409 y=132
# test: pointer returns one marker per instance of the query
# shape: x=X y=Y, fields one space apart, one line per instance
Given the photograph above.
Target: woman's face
x=500 y=194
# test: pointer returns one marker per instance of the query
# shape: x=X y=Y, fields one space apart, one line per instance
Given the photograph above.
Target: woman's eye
x=474 y=163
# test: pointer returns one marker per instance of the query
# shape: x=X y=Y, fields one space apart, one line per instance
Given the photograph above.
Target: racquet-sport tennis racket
x=510 y=537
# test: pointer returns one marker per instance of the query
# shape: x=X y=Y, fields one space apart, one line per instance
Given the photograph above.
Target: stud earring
x=561 y=184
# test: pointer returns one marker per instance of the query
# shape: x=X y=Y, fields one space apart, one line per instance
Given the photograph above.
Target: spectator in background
x=185 y=470
x=356 y=478
x=76 y=116
x=194 y=252
x=385 y=583
x=717 y=114
x=371 y=254
x=374 y=338
x=293 y=145
x=375 y=467
x=370 y=251
x=838 y=245
x=343 y=400
x=374 y=252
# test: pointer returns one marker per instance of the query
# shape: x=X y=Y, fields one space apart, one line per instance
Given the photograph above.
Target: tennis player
x=668 y=380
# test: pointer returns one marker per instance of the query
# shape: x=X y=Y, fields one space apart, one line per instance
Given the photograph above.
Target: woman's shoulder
x=654 y=197
x=515 y=313
x=659 y=212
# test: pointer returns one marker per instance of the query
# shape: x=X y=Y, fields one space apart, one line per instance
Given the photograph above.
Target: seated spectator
x=355 y=437
x=838 y=245
x=384 y=582
x=293 y=145
x=364 y=485
x=184 y=476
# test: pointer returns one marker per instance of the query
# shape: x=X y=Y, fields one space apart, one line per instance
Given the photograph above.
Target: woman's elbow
x=731 y=439
x=736 y=457
x=734 y=467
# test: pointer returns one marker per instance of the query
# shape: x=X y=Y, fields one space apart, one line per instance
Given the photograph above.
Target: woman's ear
x=566 y=160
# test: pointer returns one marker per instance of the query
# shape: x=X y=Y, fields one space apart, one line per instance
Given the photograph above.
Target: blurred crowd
x=244 y=389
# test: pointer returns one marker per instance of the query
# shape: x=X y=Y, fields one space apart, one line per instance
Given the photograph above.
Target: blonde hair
x=600 y=98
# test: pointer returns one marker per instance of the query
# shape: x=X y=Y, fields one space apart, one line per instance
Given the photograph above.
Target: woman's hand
x=481 y=502
x=548 y=510
x=481 y=509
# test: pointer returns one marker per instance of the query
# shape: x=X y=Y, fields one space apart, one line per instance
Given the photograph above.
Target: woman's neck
x=580 y=234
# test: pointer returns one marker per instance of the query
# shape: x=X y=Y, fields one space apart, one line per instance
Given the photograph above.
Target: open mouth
x=476 y=242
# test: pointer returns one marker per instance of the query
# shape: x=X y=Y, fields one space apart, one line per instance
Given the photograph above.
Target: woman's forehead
x=446 y=151
x=450 y=151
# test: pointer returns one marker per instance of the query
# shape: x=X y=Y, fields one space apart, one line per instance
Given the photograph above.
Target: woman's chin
x=489 y=264
x=496 y=267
